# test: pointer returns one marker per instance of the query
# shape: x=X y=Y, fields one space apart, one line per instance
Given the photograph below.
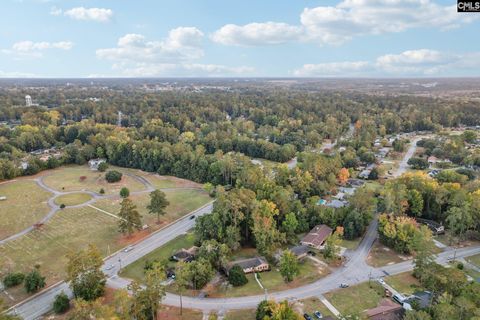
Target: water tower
x=28 y=101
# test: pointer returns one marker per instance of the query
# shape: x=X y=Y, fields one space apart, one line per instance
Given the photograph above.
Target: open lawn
x=356 y=299
x=182 y=201
x=474 y=260
x=135 y=270
x=69 y=230
x=404 y=283
x=311 y=305
x=351 y=244
x=26 y=204
x=272 y=281
x=81 y=178
x=241 y=315
x=72 y=199
x=381 y=255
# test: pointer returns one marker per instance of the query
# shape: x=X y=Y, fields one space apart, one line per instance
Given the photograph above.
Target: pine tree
x=130 y=218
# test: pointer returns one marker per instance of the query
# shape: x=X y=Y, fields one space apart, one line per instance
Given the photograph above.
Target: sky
x=242 y=38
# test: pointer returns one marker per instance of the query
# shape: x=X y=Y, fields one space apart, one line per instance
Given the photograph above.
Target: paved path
x=329 y=306
x=54 y=208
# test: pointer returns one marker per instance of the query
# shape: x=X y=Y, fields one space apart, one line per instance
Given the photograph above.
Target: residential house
x=300 y=251
x=256 y=264
x=387 y=310
x=184 y=255
x=317 y=236
x=336 y=203
x=94 y=163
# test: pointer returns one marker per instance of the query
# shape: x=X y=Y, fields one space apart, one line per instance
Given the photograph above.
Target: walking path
x=54 y=208
x=330 y=306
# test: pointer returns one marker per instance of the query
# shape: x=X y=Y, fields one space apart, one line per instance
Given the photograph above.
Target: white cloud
x=253 y=34
x=176 y=55
x=82 y=13
x=27 y=46
x=30 y=49
x=344 y=69
x=15 y=74
x=421 y=62
x=183 y=43
x=54 y=11
x=337 y=24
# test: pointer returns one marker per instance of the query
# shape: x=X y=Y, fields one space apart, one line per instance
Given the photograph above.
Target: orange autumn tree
x=343 y=176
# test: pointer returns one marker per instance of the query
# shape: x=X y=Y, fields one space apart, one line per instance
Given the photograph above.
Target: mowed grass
x=311 y=305
x=182 y=201
x=474 y=260
x=248 y=314
x=135 y=270
x=381 y=255
x=356 y=299
x=72 y=199
x=25 y=205
x=68 y=231
x=404 y=283
x=68 y=178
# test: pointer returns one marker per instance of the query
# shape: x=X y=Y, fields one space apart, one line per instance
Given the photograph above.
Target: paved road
x=403 y=166
x=41 y=303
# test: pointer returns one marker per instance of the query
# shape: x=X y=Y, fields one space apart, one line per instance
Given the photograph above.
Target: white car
x=127 y=249
x=381 y=281
x=110 y=267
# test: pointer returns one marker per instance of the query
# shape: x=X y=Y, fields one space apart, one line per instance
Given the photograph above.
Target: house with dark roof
x=386 y=310
x=256 y=264
x=317 y=236
x=185 y=255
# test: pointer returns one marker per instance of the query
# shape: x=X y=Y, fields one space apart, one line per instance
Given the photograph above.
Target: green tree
x=417 y=315
x=267 y=236
x=102 y=167
x=130 y=218
x=84 y=274
x=113 y=176
x=332 y=246
x=124 y=192
x=415 y=202
x=158 y=203
x=289 y=226
x=181 y=280
x=13 y=279
x=214 y=252
x=34 y=281
x=147 y=300
x=61 y=303
x=199 y=273
x=289 y=267
x=236 y=276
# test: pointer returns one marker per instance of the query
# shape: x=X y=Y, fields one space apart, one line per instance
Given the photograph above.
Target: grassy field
x=182 y=201
x=474 y=260
x=135 y=270
x=351 y=244
x=69 y=230
x=356 y=299
x=26 y=203
x=380 y=256
x=310 y=306
x=73 y=199
x=241 y=315
x=404 y=283
x=68 y=178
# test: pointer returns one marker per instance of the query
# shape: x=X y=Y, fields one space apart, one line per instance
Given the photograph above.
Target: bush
x=102 y=167
x=113 y=176
x=418 y=163
x=460 y=266
x=34 y=281
x=124 y=192
x=13 y=279
x=61 y=303
x=102 y=191
x=62 y=206
x=236 y=276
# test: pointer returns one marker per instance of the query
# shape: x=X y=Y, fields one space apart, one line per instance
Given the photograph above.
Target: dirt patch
x=134 y=238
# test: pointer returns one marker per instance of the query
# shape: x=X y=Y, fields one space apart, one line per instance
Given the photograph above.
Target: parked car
x=318 y=314
x=344 y=285
x=307 y=316
x=398 y=298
